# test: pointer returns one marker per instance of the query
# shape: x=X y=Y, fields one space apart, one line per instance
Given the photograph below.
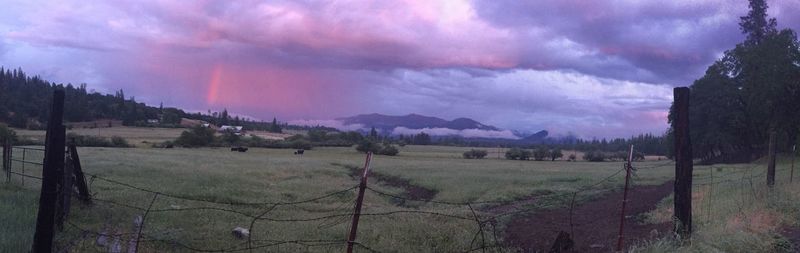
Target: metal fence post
x=683 y=163
x=53 y=161
x=357 y=212
x=621 y=237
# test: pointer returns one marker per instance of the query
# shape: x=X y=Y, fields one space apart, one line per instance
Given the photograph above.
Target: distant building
x=234 y=129
x=189 y=123
x=153 y=121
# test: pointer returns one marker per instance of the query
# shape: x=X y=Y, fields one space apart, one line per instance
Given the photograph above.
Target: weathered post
x=53 y=161
x=64 y=203
x=683 y=163
x=794 y=153
x=6 y=158
x=621 y=237
x=80 y=179
x=771 y=160
x=357 y=212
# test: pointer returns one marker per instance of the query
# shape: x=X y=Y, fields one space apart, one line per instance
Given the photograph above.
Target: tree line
x=24 y=100
x=751 y=92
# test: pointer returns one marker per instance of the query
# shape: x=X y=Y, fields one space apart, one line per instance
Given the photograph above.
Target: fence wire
x=485 y=237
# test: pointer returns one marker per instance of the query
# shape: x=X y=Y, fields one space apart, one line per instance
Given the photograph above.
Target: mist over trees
x=753 y=90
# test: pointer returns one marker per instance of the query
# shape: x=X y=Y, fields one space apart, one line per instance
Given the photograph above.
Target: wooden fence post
x=65 y=198
x=6 y=159
x=80 y=179
x=621 y=237
x=53 y=161
x=794 y=153
x=771 y=160
x=357 y=212
x=683 y=163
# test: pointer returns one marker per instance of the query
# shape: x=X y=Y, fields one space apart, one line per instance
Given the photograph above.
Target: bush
x=475 y=154
x=117 y=141
x=518 y=154
x=389 y=150
x=96 y=141
x=196 y=137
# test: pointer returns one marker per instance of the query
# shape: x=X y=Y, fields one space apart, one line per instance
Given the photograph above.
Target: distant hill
x=414 y=121
x=537 y=137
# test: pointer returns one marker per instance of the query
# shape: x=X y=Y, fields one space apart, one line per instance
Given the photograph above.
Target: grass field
x=272 y=175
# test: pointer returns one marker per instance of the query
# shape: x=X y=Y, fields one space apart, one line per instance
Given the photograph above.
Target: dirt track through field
x=411 y=191
x=596 y=223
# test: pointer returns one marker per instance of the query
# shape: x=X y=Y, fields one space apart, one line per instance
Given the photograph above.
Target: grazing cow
x=300 y=152
x=240 y=149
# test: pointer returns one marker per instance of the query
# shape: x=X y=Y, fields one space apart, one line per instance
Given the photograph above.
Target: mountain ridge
x=414 y=121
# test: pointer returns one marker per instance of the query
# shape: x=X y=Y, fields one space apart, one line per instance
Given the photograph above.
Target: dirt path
x=411 y=191
x=596 y=222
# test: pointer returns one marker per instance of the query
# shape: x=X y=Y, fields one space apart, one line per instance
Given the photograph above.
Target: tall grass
x=738 y=213
x=270 y=175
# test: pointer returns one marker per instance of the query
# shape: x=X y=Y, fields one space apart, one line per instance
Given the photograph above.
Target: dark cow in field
x=240 y=149
x=299 y=152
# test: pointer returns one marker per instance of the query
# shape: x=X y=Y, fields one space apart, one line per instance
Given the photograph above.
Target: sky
x=602 y=68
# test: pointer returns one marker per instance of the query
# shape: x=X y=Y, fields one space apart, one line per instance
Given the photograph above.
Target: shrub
x=518 y=154
x=96 y=141
x=389 y=150
x=117 y=141
x=475 y=154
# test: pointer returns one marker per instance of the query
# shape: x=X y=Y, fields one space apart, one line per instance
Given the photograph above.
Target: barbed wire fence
x=485 y=237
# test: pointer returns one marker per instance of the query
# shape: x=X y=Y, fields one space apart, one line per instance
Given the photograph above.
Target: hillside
x=414 y=121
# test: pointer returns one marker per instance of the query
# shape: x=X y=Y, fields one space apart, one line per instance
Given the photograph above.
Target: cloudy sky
x=602 y=68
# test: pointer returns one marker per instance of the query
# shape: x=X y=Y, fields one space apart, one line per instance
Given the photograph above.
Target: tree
x=7 y=134
x=373 y=134
x=540 y=154
x=196 y=137
x=748 y=93
x=275 y=128
x=556 y=154
x=518 y=154
x=475 y=154
x=422 y=139
x=572 y=157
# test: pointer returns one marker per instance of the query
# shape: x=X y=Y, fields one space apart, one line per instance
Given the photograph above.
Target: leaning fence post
x=80 y=179
x=54 y=158
x=621 y=237
x=771 y=160
x=683 y=163
x=357 y=212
